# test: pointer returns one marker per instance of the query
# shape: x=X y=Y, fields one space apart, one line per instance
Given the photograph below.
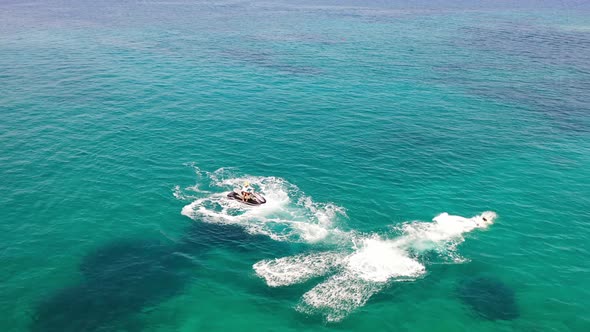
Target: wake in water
x=357 y=273
x=288 y=215
x=352 y=274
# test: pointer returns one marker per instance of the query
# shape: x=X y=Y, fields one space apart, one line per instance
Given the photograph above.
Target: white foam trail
x=296 y=269
x=374 y=262
x=380 y=260
x=363 y=273
x=443 y=234
x=336 y=297
x=288 y=214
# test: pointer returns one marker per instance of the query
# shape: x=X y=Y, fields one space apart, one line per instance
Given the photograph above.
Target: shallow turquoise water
x=122 y=126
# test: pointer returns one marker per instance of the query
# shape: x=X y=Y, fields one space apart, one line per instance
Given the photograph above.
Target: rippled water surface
x=426 y=166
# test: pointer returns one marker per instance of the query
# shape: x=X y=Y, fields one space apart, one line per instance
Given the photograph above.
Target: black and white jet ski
x=254 y=199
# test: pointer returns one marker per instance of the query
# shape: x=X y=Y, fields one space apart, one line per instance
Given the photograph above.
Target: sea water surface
x=426 y=166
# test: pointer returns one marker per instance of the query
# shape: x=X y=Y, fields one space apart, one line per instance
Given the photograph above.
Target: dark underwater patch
x=120 y=280
x=268 y=60
x=126 y=277
x=83 y=307
x=489 y=298
x=558 y=58
x=129 y=260
x=203 y=236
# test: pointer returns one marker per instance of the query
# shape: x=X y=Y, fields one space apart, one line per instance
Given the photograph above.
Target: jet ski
x=255 y=198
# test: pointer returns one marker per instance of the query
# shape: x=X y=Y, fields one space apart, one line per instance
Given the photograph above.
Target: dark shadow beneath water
x=129 y=260
x=84 y=307
x=126 y=277
x=489 y=298
x=121 y=279
x=266 y=59
x=203 y=236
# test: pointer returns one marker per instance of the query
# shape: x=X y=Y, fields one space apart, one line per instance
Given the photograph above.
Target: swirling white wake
x=288 y=215
x=357 y=273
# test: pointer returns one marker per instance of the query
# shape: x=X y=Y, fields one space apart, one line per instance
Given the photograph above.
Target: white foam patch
x=373 y=263
x=296 y=269
x=363 y=273
x=338 y=296
x=379 y=260
x=443 y=234
x=287 y=215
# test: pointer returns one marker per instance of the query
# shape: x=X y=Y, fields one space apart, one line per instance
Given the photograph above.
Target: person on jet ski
x=247 y=191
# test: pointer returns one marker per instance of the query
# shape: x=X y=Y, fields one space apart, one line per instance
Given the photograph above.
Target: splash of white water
x=373 y=263
x=288 y=215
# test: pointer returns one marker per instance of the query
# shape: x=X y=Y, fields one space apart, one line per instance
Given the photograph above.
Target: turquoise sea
x=381 y=133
